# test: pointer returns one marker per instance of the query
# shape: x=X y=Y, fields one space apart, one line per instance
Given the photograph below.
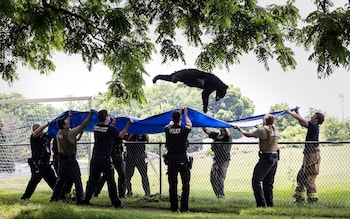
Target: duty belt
x=268 y=152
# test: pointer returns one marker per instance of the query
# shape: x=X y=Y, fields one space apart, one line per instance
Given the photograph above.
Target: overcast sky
x=299 y=87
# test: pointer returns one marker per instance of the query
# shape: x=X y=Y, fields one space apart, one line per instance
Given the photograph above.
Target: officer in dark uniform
x=39 y=162
x=119 y=165
x=68 y=167
x=101 y=161
x=265 y=170
x=136 y=157
x=177 y=160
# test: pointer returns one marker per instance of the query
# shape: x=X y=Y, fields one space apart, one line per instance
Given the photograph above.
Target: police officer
x=39 y=162
x=178 y=162
x=101 y=161
x=265 y=170
x=68 y=167
x=136 y=157
x=119 y=165
x=69 y=184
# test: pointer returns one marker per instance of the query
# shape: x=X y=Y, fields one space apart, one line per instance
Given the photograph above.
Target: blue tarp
x=155 y=124
x=255 y=120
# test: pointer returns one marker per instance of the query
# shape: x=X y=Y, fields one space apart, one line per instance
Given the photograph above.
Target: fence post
x=160 y=171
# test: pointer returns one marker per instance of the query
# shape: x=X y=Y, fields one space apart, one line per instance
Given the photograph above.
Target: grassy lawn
x=241 y=205
x=333 y=186
x=138 y=207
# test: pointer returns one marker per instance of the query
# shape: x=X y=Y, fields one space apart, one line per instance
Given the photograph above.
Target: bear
x=200 y=79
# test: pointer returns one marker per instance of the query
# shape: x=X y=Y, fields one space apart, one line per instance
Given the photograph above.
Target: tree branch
x=74 y=15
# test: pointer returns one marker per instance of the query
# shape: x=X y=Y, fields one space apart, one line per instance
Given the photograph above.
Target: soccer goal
x=16 y=119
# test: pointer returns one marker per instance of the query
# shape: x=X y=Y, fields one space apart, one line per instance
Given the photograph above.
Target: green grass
x=138 y=207
x=333 y=186
x=238 y=205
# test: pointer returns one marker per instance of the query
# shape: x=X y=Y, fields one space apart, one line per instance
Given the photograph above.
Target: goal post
x=16 y=119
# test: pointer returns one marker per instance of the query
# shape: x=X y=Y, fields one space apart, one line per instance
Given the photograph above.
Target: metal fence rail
x=332 y=182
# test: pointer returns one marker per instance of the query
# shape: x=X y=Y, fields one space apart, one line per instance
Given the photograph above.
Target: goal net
x=16 y=120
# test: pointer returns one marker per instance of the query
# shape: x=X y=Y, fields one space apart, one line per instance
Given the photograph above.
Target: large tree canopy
x=117 y=34
x=328 y=34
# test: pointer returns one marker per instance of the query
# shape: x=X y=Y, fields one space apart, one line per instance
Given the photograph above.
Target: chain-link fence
x=332 y=182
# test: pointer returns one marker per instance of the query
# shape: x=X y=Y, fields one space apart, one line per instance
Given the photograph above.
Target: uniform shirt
x=40 y=147
x=221 y=151
x=176 y=139
x=66 y=140
x=104 y=138
x=313 y=131
x=64 y=146
x=117 y=145
x=267 y=138
x=139 y=148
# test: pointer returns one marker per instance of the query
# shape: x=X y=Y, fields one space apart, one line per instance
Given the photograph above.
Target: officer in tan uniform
x=68 y=166
x=265 y=170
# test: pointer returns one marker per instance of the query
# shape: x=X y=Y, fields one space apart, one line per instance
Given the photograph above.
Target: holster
x=118 y=149
x=166 y=159
x=190 y=162
x=33 y=165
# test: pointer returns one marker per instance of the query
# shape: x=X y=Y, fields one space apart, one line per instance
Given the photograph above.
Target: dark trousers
x=98 y=165
x=138 y=162
x=176 y=166
x=119 y=166
x=99 y=186
x=67 y=185
x=68 y=171
x=263 y=179
x=39 y=172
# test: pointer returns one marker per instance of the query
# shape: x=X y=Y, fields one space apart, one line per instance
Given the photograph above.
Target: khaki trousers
x=307 y=174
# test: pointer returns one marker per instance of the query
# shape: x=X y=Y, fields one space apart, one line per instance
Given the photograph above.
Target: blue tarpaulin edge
x=155 y=124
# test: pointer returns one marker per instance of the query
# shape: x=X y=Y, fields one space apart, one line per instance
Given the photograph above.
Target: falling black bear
x=196 y=78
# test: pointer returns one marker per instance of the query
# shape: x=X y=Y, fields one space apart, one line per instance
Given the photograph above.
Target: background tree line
x=164 y=97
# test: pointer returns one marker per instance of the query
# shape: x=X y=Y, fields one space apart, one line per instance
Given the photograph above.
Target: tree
x=293 y=134
x=288 y=127
x=117 y=34
x=233 y=106
x=100 y=31
x=335 y=130
x=167 y=96
x=328 y=34
x=283 y=122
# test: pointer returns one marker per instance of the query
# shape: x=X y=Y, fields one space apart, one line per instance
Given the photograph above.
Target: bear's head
x=221 y=92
